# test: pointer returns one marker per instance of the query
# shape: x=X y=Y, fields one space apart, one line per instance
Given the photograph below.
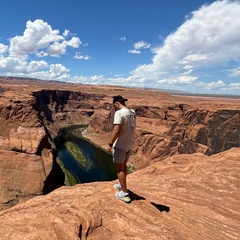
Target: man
x=121 y=143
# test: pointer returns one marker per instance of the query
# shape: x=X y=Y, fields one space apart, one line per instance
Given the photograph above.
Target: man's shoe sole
x=125 y=199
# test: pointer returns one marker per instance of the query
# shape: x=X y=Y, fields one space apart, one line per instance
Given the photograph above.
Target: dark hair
x=119 y=98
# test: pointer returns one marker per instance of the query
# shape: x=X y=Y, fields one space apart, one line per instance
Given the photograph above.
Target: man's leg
x=121 y=169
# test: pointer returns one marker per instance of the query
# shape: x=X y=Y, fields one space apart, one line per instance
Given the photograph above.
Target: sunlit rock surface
x=183 y=197
x=23 y=175
x=186 y=162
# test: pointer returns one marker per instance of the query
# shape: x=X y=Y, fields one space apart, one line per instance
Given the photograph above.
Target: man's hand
x=110 y=147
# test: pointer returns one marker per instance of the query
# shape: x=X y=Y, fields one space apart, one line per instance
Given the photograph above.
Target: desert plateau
x=185 y=164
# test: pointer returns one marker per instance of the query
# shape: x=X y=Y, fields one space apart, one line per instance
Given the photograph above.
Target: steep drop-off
x=32 y=114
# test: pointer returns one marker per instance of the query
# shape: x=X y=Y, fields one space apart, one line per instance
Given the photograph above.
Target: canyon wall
x=186 y=160
x=29 y=122
x=184 y=197
x=32 y=115
x=166 y=130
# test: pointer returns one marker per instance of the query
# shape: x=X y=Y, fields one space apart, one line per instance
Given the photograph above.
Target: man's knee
x=119 y=167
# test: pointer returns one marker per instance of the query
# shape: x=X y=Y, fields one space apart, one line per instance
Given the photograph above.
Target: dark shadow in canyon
x=56 y=177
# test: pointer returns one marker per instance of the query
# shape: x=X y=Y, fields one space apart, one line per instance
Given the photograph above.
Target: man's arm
x=115 y=133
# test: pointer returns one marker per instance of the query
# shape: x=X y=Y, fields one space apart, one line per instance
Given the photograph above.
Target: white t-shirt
x=127 y=118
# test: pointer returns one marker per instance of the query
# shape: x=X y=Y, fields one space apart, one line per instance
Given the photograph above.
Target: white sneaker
x=117 y=186
x=123 y=196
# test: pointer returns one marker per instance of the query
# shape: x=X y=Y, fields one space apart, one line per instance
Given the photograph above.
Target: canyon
x=185 y=164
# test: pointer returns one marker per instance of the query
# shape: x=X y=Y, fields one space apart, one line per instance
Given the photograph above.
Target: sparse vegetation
x=77 y=154
x=69 y=178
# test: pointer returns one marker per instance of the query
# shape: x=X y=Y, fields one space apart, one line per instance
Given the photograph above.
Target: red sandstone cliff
x=32 y=112
x=165 y=129
x=184 y=197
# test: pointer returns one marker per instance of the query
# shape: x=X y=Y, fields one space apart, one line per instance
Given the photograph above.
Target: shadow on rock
x=134 y=196
x=160 y=207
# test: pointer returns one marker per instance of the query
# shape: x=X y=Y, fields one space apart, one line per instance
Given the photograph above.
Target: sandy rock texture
x=186 y=161
x=183 y=197
x=22 y=175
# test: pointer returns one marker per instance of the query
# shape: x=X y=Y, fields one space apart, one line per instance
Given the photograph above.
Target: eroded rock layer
x=186 y=158
x=183 y=197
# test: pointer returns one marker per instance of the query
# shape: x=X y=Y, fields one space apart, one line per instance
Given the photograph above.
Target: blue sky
x=187 y=45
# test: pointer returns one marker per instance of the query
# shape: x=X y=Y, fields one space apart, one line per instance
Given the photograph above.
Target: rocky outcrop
x=217 y=130
x=168 y=130
x=23 y=175
x=202 y=131
x=60 y=108
x=28 y=139
x=28 y=126
x=182 y=189
x=183 y=197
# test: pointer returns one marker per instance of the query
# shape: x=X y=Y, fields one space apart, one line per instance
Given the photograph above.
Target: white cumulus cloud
x=209 y=38
x=134 y=51
x=3 y=49
x=80 y=56
x=55 y=71
x=235 y=72
x=39 y=37
x=38 y=40
x=138 y=46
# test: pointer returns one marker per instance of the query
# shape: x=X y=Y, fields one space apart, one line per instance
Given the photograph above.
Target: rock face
x=23 y=175
x=27 y=140
x=29 y=122
x=164 y=131
x=183 y=197
x=58 y=108
x=186 y=159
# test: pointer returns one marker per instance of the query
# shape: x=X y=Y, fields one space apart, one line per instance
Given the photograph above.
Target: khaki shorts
x=120 y=155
